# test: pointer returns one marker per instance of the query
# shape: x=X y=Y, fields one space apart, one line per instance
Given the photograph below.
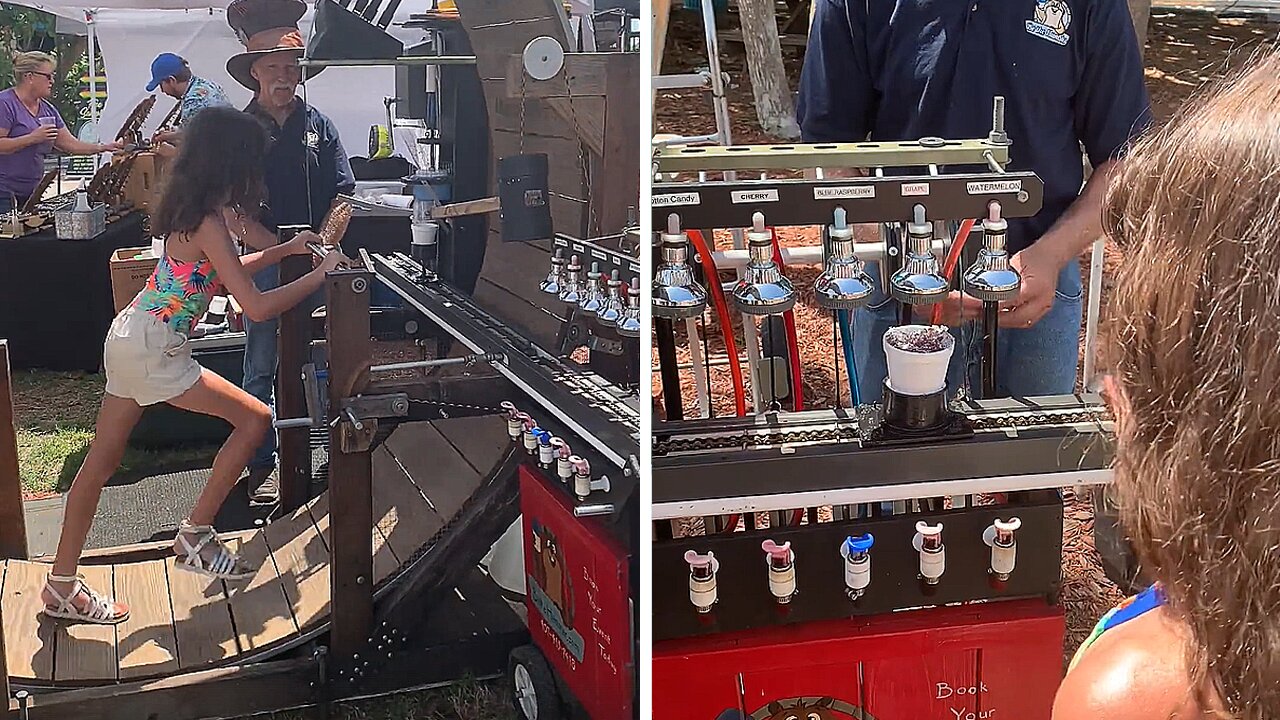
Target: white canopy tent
x=129 y=34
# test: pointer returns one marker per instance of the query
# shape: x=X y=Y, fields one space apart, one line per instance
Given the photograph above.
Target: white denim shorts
x=146 y=360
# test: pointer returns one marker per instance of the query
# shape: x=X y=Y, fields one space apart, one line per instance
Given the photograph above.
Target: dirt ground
x=1184 y=51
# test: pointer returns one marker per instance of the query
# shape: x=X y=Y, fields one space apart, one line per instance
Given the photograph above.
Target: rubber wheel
x=533 y=685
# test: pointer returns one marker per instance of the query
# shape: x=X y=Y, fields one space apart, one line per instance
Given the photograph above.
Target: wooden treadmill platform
x=183 y=621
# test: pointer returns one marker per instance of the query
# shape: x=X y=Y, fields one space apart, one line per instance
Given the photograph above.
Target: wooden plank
x=221 y=692
x=504 y=12
x=260 y=609
x=30 y=637
x=87 y=651
x=585 y=116
x=482 y=441
x=582 y=74
x=201 y=617
x=615 y=187
x=291 y=400
x=4 y=659
x=146 y=642
x=350 y=472
x=470 y=207
x=442 y=475
x=302 y=557
x=404 y=519
x=13 y=522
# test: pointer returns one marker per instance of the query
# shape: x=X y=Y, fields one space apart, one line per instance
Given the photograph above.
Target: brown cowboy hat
x=265 y=27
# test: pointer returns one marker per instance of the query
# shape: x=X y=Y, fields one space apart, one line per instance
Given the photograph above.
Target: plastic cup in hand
x=46 y=121
x=917 y=357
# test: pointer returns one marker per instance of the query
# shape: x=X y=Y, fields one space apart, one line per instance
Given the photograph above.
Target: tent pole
x=93 y=81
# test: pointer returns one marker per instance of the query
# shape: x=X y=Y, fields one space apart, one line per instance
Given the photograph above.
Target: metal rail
x=926 y=151
x=575 y=398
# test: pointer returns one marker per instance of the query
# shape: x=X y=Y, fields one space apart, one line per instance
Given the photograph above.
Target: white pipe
x=699 y=374
x=1091 y=318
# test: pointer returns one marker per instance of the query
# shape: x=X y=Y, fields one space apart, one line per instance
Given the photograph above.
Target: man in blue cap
x=173 y=76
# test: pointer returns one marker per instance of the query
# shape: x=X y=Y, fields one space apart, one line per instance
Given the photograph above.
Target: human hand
x=1039 y=282
x=111 y=146
x=298 y=245
x=164 y=137
x=43 y=134
x=956 y=309
x=334 y=260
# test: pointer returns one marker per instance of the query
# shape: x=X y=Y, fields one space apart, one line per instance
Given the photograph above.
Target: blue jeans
x=260 y=356
x=1040 y=360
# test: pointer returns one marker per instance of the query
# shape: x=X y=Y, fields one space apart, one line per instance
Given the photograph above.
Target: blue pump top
x=855 y=546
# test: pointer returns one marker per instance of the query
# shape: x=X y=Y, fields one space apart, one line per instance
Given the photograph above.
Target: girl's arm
x=254 y=235
x=215 y=241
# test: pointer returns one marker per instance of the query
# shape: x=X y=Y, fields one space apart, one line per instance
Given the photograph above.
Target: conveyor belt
x=816 y=458
x=604 y=415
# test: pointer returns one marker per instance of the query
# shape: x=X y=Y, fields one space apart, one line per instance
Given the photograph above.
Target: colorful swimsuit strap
x=1130 y=608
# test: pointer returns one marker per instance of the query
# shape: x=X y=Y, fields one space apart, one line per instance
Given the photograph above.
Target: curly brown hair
x=1193 y=332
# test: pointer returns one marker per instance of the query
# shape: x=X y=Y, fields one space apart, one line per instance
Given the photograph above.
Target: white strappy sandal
x=99 y=609
x=224 y=565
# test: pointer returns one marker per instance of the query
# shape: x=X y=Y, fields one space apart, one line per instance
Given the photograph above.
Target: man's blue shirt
x=1069 y=70
x=306 y=167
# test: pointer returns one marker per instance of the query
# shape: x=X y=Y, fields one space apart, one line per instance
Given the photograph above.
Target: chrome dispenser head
x=992 y=278
x=592 y=298
x=555 y=278
x=844 y=283
x=629 y=323
x=763 y=290
x=919 y=281
x=676 y=294
x=572 y=290
x=613 y=306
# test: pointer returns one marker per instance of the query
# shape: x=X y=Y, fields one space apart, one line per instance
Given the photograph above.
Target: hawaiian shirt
x=201 y=94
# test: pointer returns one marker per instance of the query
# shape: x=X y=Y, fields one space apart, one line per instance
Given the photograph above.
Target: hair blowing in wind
x=1193 y=332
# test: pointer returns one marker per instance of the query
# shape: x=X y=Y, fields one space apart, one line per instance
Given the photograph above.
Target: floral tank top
x=178 y=293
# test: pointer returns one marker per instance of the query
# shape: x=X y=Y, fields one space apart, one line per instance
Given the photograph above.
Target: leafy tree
x=23 y=29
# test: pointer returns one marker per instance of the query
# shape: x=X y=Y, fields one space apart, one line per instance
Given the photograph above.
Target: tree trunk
x=774 y=108
x=1140 y=11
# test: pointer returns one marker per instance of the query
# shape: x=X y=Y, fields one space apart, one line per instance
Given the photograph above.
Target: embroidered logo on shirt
x=1051 y=20
x=313 y=140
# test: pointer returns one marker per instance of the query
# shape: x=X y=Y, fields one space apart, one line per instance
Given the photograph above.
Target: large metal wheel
x=533 y=685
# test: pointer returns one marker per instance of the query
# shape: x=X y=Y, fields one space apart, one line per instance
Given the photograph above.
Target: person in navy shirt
x=306 y=169
x=1071 y=75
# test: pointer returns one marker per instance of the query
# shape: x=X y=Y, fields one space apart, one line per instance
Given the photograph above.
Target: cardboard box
x=142 y=189
x=129 y=273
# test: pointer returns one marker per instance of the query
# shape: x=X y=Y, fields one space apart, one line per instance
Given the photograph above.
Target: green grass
x=55 y=414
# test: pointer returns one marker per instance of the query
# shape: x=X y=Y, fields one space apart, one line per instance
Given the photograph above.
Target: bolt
x=1023 y=196
x=360 y=580
x=358 y=285
x=997 y=115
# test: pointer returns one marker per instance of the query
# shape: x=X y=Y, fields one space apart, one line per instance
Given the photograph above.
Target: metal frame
x=542 y=377
x=926 y=151
x=865 y=200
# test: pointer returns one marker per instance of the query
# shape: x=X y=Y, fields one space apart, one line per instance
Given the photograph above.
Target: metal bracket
x=356 y=437
x=367 y=407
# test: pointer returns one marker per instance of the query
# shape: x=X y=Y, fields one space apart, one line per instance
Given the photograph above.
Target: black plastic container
x=523 y=190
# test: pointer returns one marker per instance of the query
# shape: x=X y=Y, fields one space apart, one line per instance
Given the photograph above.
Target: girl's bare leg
x=116 y=420
x=249 y=418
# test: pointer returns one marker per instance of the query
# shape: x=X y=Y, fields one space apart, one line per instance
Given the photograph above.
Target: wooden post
x=350 y=473
x=291 y=399
x=13 y=521
x=774 y=108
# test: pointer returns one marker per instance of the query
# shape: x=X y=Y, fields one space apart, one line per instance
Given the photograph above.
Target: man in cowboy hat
x=306 y=168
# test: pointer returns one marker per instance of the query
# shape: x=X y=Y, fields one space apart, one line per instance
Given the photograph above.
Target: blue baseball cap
x=165 y=66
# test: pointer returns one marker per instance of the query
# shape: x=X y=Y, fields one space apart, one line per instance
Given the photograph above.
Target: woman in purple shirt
x=30 y=128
